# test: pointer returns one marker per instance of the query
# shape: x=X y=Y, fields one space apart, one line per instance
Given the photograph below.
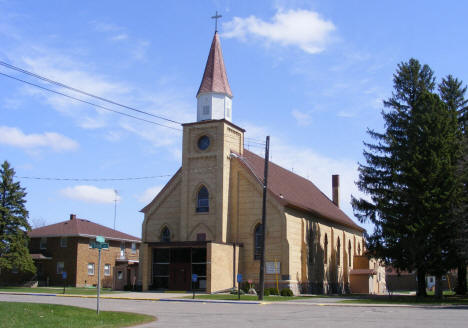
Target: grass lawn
x=47 y=315
x=409 y=299
x=230 y=297
x=58 y=290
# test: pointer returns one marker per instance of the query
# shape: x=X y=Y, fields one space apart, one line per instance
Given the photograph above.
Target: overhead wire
x=60 y=84
x=87 y=102
x=94 y=179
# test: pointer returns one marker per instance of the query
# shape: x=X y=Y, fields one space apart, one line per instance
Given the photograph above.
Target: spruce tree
x=14 y=253
x=453 y=94
x=396 y=239
x=411 y=178
x=433 y=182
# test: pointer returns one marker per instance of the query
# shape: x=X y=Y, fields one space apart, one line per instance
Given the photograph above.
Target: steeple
x=214 y=95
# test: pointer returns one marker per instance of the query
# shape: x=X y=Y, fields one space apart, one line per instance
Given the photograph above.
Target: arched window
x=338 y=251
x=325 y=250
x=258 y=242
x=349 y=253
x=165 y=235
x=203 y=202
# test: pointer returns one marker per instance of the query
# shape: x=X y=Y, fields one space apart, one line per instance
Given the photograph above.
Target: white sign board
x=273 y=267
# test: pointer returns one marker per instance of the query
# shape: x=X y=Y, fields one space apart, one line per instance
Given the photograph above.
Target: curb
x=426 y=306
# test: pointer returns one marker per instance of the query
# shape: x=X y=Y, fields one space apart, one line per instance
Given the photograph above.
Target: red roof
x=80 y=227
x=295 y=191
x=215 y=77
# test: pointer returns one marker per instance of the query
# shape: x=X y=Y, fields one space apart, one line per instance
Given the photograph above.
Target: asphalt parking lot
x=286 y=314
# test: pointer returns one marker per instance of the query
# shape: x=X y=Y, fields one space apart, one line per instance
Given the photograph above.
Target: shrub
x=287 y=292
x=233 y=291
x=266 y=292
x=274 y=291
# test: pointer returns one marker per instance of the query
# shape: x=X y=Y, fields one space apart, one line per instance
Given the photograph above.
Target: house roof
x=295 y=191
x=76 y=227
x=215 y=77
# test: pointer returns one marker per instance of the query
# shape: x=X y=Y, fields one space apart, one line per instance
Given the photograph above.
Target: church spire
x=215 y=77
x=214 y=97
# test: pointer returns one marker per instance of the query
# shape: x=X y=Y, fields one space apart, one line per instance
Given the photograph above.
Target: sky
x=311 y=74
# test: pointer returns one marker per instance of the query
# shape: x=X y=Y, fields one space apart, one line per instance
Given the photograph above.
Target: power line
x=96 y=179
x=88 y=102
x=18 y=69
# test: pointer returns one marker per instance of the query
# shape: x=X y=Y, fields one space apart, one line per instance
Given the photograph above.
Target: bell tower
x=214 y=97
x=206 y=155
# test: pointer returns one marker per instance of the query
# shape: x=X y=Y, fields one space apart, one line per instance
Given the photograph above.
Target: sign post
x=239 y=280
x=99 y=244
x=194 y=280
x=64 y=277
x=99 y=280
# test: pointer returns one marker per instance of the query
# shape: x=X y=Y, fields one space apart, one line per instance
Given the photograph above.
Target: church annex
x=206 y=219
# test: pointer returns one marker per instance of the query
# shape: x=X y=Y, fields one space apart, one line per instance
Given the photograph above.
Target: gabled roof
x=295 y=191
x=174 y=177
x=80 y=228
x=215 y=77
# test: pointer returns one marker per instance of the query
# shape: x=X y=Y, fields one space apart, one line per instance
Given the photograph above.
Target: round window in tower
x=203 y=142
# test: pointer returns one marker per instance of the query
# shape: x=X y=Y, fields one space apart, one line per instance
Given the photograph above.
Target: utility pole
x=115 y=206
x=262 y=229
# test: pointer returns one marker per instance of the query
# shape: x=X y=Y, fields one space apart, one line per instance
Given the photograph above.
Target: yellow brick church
x=206 y=220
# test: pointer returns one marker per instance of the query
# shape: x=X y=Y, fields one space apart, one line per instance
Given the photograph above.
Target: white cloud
x=149 y=194
x=302 y=118
x=302 y=28
x=139 y=51
x=15 y=137
x=119 y=37
x=106 y=27
x=90 y=194
x=345 y=114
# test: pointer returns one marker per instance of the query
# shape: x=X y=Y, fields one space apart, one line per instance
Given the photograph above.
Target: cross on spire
x=215 y=17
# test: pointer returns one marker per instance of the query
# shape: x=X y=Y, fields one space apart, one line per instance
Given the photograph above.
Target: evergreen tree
x=410 y=177
x=384 y=178
x=14 y=226
x=453 y=94
x=433 y=182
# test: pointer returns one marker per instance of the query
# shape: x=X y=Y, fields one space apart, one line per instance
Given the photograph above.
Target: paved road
x=297 y=314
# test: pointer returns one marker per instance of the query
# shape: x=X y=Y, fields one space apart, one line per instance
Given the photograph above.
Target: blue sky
x=312 y=74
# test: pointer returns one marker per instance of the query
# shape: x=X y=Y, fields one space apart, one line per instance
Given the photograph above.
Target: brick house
x=66 y=247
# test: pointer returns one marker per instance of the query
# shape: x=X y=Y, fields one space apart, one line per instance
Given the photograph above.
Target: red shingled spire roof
x=215 y=77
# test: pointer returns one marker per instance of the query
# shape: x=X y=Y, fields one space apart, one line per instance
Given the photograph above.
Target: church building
x=207 y=219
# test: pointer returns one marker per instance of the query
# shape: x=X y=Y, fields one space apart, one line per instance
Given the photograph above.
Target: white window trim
x=41 y=245
x=88 y=266
x=63 y=267
x=109 y=271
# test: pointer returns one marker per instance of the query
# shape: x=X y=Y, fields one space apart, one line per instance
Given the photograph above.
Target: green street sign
x=100 y=245
x=100 y=239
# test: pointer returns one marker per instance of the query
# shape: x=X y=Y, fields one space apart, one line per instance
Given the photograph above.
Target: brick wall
x=76 y=256
x=88 y=255
x=53 y=249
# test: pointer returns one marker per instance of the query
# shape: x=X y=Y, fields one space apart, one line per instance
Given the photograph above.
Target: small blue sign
x=194 y=277
x=64 y=275
x=239 y=277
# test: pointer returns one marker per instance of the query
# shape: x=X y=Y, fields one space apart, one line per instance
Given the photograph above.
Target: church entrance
x=173 y=266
